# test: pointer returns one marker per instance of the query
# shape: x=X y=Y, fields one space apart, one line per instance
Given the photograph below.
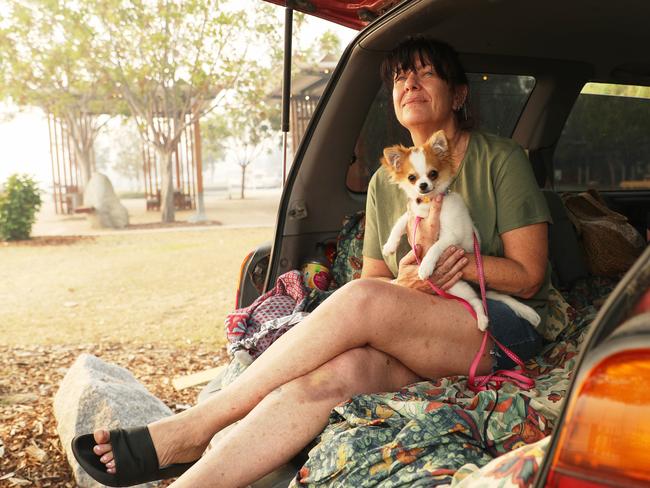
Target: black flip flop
x=135 y=458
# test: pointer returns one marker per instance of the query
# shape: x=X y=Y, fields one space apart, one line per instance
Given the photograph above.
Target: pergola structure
x=187 y=175
x=66 y=174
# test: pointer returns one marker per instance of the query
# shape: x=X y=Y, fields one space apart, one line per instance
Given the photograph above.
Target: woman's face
x=423 y=101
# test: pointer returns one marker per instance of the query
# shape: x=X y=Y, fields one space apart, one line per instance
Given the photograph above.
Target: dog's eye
x=412 y=178
x=433 y=174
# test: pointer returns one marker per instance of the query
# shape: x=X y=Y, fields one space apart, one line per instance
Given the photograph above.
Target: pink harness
x=496 y=379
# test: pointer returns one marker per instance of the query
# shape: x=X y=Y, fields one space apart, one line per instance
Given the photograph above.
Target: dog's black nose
x=424 y=187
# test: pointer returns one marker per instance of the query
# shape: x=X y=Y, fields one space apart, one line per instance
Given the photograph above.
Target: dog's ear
x=438 y=142
x=393 y=157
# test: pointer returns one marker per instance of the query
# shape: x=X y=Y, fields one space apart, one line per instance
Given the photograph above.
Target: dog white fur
x=424 y=172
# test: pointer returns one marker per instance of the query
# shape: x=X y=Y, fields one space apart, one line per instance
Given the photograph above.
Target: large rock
x=93 y=394
x=108 y=211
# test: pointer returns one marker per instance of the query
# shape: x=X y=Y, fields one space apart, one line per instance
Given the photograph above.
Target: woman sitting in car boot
x=375 y=334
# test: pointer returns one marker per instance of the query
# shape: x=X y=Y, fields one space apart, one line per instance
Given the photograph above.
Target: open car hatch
x=354 y=14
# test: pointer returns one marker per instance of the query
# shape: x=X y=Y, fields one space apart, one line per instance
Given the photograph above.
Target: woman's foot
x=174 y=440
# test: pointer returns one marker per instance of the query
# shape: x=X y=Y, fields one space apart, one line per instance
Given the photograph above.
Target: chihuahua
x=424 y=172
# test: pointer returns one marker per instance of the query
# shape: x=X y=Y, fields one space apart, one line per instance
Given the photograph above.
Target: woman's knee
x=351 y=367
x=363 y=297
x=365 y=288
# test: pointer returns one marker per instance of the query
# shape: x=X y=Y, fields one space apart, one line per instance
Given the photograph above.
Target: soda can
x=316 y=275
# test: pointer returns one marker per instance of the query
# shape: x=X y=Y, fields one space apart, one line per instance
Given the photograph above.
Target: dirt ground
x=30 y=450
x=150 y=298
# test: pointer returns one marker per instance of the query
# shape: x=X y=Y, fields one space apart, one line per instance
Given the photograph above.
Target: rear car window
x=605 y=143
x=496 y=102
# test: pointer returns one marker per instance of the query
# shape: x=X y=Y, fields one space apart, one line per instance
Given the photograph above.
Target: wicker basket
x=611 y=244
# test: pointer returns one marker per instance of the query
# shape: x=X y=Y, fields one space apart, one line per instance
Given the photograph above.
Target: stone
x=96 y=394
x=108 y=211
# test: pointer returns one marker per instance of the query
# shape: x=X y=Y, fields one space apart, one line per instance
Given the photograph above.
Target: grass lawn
x=174 y=287
x=152 y=302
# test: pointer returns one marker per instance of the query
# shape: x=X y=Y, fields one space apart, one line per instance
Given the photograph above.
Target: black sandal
x=134 y=454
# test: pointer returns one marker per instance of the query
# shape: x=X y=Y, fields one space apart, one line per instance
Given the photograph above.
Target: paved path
x=257 y=210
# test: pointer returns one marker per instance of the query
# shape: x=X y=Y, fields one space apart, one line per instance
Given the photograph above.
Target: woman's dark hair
x=424 y=50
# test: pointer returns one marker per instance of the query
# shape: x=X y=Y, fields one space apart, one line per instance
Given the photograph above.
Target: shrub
x=19 y=202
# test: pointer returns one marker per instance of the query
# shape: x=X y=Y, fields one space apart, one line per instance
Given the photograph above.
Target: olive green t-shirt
x=497 y=183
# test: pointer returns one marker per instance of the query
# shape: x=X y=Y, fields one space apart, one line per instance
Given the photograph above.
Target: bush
x=19 y=202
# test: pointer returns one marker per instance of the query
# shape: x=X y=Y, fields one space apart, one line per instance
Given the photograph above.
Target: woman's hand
x=449 y=267
x=446 y=274
x=429 y=228
x=407 y=273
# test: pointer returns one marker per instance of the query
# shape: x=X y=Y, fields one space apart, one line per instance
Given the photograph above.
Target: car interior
x=551 y=48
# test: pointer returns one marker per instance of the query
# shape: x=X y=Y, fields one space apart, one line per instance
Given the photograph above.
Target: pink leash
x=496 y=379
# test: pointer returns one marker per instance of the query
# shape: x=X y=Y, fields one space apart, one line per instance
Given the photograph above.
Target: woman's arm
x=407 y=275
x=520 y=272
x=522 y=269
x=375 y=268
x=448 y=274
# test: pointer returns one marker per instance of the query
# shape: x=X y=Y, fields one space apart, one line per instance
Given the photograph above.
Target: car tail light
x=606 y=435
x=242 y=270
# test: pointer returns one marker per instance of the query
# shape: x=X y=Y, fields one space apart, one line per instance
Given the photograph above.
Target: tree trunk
x=167 y=186
x=85 y=158
x=243 y=180
x=82 y=130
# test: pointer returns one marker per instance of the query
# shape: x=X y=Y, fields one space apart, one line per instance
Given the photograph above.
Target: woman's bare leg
x=288 y=418
x=431 y=336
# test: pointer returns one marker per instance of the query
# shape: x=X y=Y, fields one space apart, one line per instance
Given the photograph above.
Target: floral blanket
x=439 y=433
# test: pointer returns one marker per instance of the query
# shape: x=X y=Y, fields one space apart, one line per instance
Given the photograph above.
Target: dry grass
x=173 y=287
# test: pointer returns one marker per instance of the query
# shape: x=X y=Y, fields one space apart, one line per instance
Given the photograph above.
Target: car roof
x=611 y=38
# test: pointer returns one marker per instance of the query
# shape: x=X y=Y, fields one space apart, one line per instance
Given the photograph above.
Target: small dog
x=424 y=172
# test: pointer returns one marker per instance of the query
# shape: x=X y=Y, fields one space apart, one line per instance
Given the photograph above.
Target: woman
x=391 y=334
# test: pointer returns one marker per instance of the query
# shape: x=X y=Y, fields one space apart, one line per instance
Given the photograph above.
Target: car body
x=553 y=56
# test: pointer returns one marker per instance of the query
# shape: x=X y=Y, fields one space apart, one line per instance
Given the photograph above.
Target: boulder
x=94 y=394
x=108 y=212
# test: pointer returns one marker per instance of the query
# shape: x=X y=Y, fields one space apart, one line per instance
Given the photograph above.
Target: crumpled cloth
x=254 y=328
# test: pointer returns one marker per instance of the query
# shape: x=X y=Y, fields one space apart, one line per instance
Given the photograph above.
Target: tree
x=119 y=148
x=594 y=150
x=329 y=44
x=250 y=121
x=128 y=158
x=46 y=51
x=172 y=62
x=215 y=133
